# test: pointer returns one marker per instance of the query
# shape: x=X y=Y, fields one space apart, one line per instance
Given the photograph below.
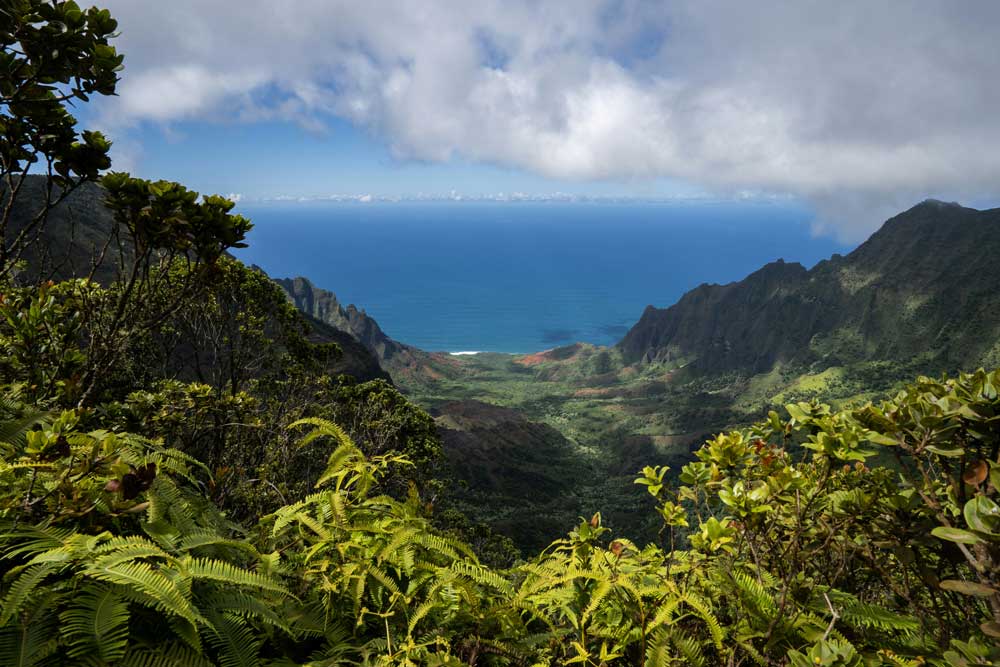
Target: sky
x=856 y=109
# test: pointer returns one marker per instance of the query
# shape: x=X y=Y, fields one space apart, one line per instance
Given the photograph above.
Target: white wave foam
x=465 y=352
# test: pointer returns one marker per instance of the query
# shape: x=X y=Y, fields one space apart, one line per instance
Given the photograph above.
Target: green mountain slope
x=517 y=475
x=924 y=286
x=73 y=238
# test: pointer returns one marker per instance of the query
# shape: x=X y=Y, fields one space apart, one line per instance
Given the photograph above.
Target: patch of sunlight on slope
x=853 y=279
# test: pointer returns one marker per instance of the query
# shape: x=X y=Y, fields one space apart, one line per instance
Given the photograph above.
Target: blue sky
x=856 y=109
x=270 y=159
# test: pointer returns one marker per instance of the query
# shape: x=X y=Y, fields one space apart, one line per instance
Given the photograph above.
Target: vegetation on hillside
x=585 y=422
x=781 y=547
x=182 y=482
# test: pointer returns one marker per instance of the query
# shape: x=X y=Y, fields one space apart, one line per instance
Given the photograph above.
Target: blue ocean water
x=521 y=277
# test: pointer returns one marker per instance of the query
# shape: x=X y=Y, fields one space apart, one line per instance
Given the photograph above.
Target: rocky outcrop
x=397 y=358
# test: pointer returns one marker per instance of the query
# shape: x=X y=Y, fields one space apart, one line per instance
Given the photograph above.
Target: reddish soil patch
x=532 y=359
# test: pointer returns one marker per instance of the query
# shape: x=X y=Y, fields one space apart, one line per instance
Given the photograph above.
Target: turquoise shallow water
x=521 y=277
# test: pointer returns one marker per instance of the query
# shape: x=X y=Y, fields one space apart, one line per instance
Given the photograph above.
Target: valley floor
x=575 y=424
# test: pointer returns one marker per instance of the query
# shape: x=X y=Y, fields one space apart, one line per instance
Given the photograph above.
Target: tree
x=54 y=55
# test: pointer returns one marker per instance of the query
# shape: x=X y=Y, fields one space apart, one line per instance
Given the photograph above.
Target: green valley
x=205 y=466
x=852 y=329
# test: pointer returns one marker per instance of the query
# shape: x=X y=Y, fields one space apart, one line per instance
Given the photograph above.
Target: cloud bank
x=858 y=107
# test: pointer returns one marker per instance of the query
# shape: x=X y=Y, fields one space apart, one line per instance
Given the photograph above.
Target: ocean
x=521 y=277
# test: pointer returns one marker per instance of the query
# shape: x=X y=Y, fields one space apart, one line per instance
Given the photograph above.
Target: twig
x=833 y=620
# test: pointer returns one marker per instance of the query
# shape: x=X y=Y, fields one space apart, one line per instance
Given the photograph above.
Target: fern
x=124 y=550
x=602 y=590
x=35 y=540
x=165 y=655
x=754 y=594
x=227 y=573
x=383 y=578
x=235 y=641
x=205 y=538
x=425 y=608
x=483 y=576
x=873 y=617
x=704 y=613
x=246 y=605
x=23 y=587
x=689 y=648
x=658 y=653
x=149 y=586
x=322 y=428
x=96 y=623
x=33 y=641
x=167 y=504
x=14 y=429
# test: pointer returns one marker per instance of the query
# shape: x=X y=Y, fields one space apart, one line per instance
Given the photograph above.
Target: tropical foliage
x=182 y=483
x=781 y=547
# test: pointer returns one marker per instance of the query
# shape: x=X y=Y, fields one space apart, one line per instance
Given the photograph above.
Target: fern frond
x=444 y=546
x=602 y=590
x=203 y=538
x=665 y=612
x=123 y=550
x=322 y=428
x=236 y=642
x=150 y=586
x=873 y=617
x=14 y=429
x=382 y=577
x=483 y=576
x=96 y=624
x=23 y=587
x=703 y=611
x=754 y=594
x=658 y=652
x=168 y=504
x=425 y=608
x=690 y=648
x=30 y=642
x=312 y=524
x=227 y=573
x=402 y=537
x=165 y=655
x=346 y=454
x=36 y=539
x=754 y=654
x=243 y=604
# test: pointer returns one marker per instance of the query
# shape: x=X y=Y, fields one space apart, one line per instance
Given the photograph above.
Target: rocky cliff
x=397 y=358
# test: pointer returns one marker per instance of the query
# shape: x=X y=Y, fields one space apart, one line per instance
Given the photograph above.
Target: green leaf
x=955 y=535
x=982 y=514
x=995 y=475
x=968 y=587
x=958 y=451
x=797 y=413
x=881 y=439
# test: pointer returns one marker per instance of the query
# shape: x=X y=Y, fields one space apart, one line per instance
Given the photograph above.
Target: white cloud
x=860 y=107
x=180 y=91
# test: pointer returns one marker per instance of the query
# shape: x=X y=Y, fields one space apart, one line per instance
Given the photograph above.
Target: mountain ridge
x=398 y=359
x=889 y=298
